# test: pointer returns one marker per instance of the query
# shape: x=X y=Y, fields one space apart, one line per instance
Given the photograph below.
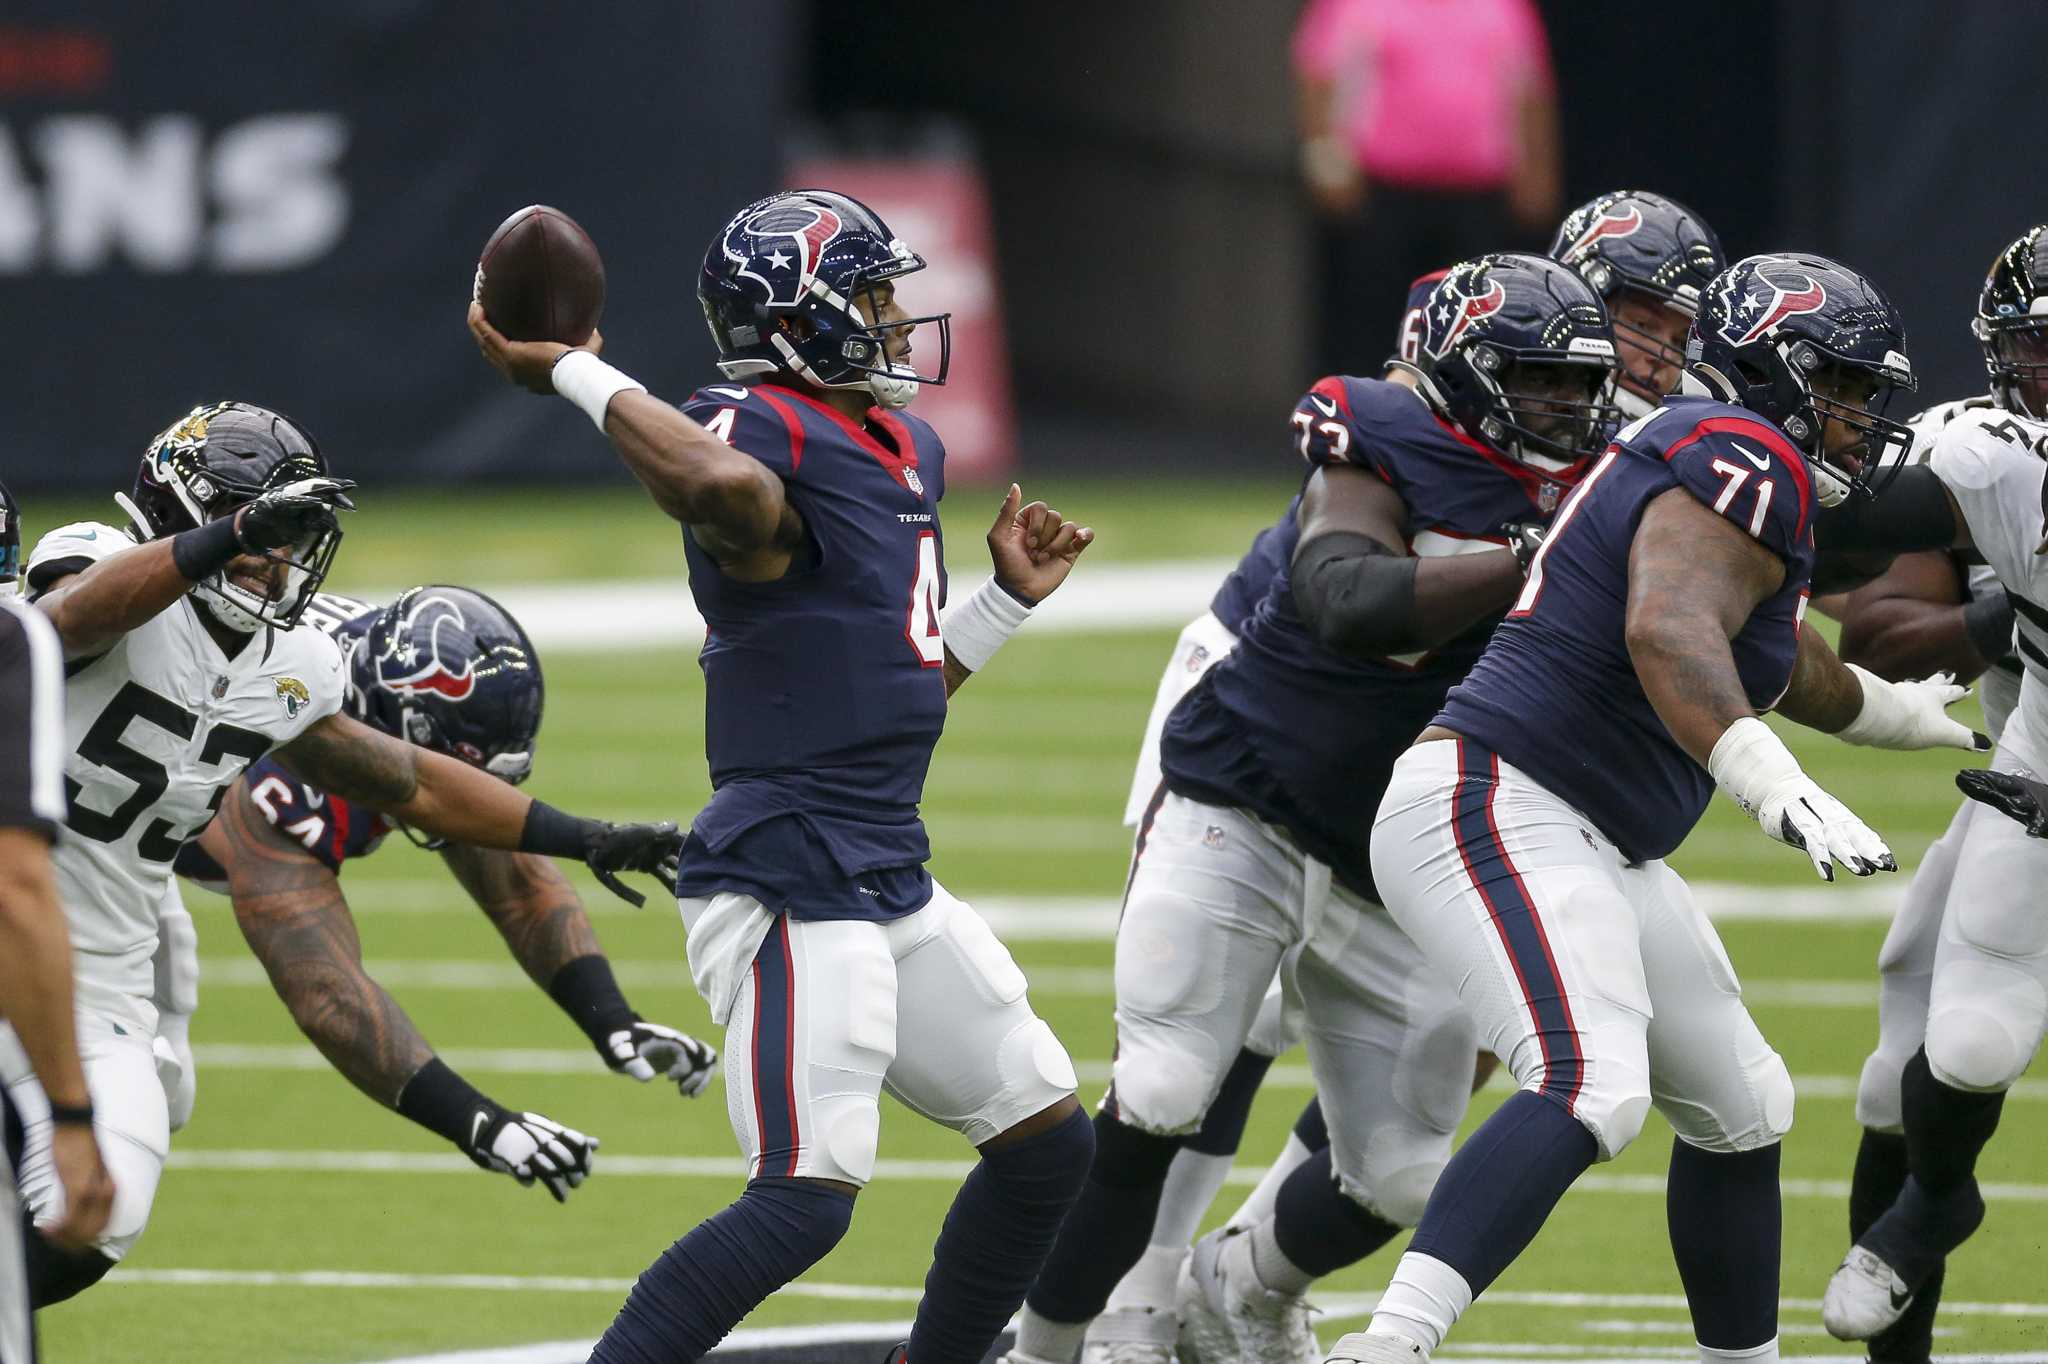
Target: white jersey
x=1993 y=464
x=157 y=728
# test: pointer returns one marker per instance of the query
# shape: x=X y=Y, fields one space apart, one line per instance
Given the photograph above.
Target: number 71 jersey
x=157 y=728
x=1556 y=692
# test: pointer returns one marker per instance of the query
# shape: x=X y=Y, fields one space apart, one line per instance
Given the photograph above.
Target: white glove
x=175 y=1069
x=1753 y=765
x=528 y=1146
x=1908 y=715
x=645 y=1050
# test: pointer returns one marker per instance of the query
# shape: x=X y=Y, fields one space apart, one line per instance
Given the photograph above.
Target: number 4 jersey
x=825 y=689
x=1556 y=692
x=157 y=729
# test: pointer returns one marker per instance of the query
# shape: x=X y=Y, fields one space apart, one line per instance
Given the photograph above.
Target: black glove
x=652 y=848
x=529 y=1147
x=1525 y=538
x=2019 y=797
x=291 y=515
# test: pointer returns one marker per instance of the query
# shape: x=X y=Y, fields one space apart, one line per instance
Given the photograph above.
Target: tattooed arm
x=291 y=910
x=1823 y=693
x=1693 y=579
x=532 y=905
x=429 y=791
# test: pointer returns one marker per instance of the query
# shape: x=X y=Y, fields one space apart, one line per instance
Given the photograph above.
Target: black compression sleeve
x=441 y=1101
x=204 y=550
x=1356 y=594
x=1912 y=513
x=1988 y=621
x=587 y=991
x=555 y=833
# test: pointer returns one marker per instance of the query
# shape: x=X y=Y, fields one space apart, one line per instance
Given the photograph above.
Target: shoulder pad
x=760 y=424
x=1325 y=426
x=1743 y=468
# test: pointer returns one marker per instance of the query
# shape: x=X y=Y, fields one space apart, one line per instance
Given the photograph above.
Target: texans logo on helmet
x=1626 y=223
x=1470 y=308
x=407 y=667
x=1785 y=300
x=808 y=226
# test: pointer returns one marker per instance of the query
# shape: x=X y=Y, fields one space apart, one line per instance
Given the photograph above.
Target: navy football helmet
x=10 y=540
x=1637 y=242
x=1770 y=325
x=211 y=461
x=1516 y=352
x=2012 y=326
x=448 y=669
x=779 y=288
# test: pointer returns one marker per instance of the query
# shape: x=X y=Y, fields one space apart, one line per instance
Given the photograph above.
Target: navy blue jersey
x=1253 y=577
x=825 y=689
x=1304 y=737
x=332 y=829
x=1556 y=693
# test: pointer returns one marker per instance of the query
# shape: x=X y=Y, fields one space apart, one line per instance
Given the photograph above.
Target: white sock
x=1258 y=1206
x=1423 y=1302
x=1270 y=1263
x=1152 y=1281
x=1766 y=1353
x=1192 y=1183
x=1057 y=1341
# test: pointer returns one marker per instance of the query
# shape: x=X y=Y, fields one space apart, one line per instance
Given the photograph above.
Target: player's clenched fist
x=1033 y=547
x=530 y=1147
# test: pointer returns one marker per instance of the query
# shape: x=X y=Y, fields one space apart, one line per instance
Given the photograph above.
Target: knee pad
x=1032 y=1062
x=1398 y=1194
x=1614 y=1117
x=1877 y=1094
x=1163 y=1090
x=1760 y=1118
x=849 y=1135
x=1972 y=1048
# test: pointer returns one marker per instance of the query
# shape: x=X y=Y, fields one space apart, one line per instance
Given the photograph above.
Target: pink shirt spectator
x=1427 y=90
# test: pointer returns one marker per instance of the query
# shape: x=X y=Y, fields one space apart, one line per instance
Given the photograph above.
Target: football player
x=808 y=497
x=35 y=951
x=1521 y=840
x=1965 y=965
x=451 y=670
x=1251 y=858
x=188 y=660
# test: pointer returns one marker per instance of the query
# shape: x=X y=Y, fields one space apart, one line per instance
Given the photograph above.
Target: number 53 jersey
x=157 y=728
x=1556 y=693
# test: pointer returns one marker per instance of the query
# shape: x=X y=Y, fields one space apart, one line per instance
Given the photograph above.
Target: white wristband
x=977 y=627
x=1752 y=764
x=591 y=384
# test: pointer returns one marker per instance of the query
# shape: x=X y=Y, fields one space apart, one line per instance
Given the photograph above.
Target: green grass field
x=1024 y=802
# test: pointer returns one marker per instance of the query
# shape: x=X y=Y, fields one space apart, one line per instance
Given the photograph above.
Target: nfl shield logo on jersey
x=912 y=482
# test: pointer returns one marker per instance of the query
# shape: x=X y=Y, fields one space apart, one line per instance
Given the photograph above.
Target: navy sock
x=1223 y=1125
x=1727 y=1234
x=1109 y=1226
x=1946 y=1128
x=1320 y=1229
x=1880 y=1175
x=1310 y=1129
x=1492 y=1198
x=995 y=1240
x=727 y=1266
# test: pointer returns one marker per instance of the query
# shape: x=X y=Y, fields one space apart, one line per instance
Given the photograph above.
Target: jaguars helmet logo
x=294 y=695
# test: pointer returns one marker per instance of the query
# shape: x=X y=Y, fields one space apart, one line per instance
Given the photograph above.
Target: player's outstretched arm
x=1360 y=591
x=1859 y=707
x=94 y=607
x=1917 y=618
x=449 y=799
x=1033 y=549
x=537 y=912
x=292 y=913
x=732 y=501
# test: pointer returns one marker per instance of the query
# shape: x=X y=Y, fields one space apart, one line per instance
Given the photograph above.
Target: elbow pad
x=1355 y=594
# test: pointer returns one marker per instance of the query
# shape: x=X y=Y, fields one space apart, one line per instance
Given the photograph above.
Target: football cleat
x=1229 y=1317
x=1362 y=1348
x=1865 y=1296
x=1132 y=1335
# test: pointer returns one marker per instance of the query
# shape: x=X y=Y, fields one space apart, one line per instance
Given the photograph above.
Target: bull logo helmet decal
x=1461 y=308
x=417 y=658
x=1763 y=312
x=1625 y=223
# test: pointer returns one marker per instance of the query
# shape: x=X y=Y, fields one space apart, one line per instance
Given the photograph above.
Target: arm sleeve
x=1864 y=533
x=1747 y=472
x=760 y=424
x=31 y=722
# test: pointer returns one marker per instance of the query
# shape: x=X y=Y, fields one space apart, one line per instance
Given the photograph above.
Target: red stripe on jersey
x=337 y=820
x=790 y=423
x=1771 y=439
x=1531 y=480
x=895 y=461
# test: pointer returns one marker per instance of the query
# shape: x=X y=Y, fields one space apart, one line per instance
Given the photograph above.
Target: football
x=540 y=278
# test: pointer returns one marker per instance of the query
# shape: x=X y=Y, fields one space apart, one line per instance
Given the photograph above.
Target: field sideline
x=299 y=1222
